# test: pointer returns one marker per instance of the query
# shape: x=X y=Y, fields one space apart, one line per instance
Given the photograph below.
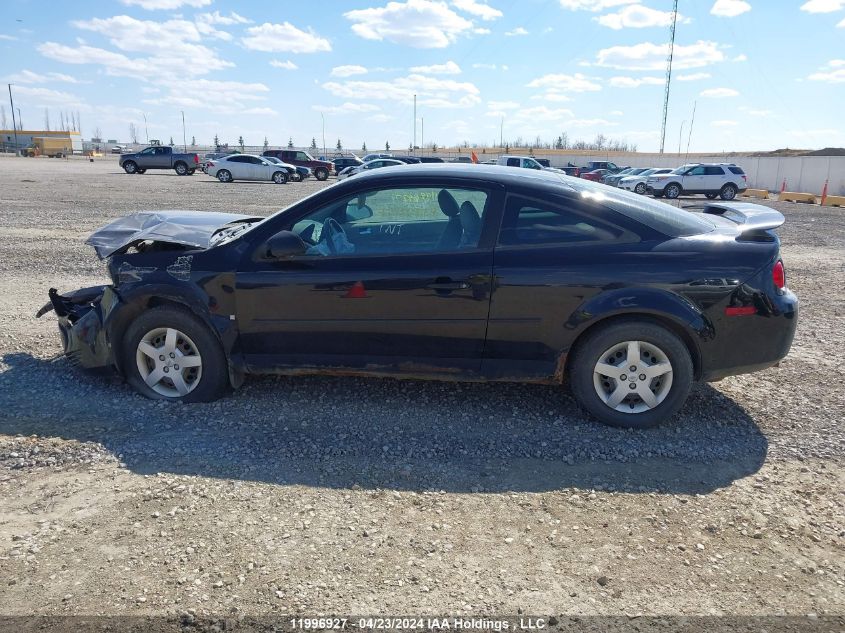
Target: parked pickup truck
x=159 y=157
x=322 y=169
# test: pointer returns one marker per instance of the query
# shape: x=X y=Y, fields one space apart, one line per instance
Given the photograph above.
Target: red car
x=594 y=175
x=322 y=168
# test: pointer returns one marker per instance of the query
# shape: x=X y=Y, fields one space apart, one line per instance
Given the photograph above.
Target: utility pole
x=422 y=134
x=184 y=138
x=20 y=119
x=146 y=129
x=324 y=134
x=502 y=132
x=414 y=144
x=680 y=136
x=14 y=123
x=668 y=76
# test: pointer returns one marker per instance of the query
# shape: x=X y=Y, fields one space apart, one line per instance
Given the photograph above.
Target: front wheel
x=631 y=374
x=672 y=191
x=224 y=175
x=130 y=167
x=169 y=354
x=297 y=177
x=640 y=188
x=321 y=173
x=191 y=172
x=181 y=169
x=280 y=178
x=728 y=192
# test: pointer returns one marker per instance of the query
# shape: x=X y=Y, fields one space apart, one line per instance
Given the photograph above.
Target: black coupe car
x=443 y=271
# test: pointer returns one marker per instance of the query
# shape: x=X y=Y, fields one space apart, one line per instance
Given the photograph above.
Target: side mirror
x=354 y=213
x=285 y=244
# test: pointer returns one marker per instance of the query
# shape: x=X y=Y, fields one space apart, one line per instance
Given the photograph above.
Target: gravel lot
x=363 y=496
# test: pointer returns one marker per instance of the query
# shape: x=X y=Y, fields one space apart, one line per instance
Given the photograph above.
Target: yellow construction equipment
x=756 y=193
x=54 y=147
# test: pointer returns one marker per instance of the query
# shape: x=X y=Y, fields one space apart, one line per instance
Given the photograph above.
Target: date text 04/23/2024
x=420 y=623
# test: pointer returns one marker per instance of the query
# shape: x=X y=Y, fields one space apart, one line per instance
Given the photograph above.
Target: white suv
x=725 y=180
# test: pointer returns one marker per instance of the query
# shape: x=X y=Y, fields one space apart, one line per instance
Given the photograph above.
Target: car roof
x=513 y=176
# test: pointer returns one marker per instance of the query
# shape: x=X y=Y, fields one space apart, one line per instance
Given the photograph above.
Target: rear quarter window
x=736 y=170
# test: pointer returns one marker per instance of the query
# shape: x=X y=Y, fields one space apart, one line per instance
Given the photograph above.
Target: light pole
x=502 y=132
x=20 y=119
x=323 y=118
x=184 y=138
x=680 y=136
x=146 y=129
x=422 y=135
x=14 y=123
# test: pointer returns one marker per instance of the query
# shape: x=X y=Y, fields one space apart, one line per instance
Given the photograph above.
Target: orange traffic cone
x=783 y=186
x=357 y=291
x=824 y=193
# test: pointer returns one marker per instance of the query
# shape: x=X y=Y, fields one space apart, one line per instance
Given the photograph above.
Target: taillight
x=779 y=275
x=745 y=178
x=196 y=159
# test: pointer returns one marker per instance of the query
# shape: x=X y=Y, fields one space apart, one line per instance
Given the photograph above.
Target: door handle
x=448 y=285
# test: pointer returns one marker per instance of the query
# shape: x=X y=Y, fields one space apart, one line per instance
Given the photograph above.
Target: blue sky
x=764 y=74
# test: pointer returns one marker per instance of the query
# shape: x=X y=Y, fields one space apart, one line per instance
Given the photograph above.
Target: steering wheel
x=331 y=227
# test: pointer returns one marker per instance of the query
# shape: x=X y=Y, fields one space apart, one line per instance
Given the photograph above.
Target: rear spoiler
x=749 y=217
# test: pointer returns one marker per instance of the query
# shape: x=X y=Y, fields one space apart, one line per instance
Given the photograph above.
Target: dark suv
x=322 y=168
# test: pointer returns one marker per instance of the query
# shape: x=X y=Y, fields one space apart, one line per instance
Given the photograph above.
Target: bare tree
x=133 y=134
x=98 y=136
x=600 y=141
x=78 y=123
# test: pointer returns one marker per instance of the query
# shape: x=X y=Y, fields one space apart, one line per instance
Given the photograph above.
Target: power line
x=668 y=76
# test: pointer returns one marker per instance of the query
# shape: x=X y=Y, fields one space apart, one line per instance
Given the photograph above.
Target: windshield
x=648 y=172
x=680 y=170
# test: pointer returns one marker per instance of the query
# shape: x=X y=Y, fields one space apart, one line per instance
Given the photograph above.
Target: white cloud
x=347 y=108
x=823 y=6
x=616 y=113
x=633 y=82
x=348 y=70
x=740 y=58
x=415 y=23
x=29 y=77
x=45 y=95
x=724 y=123
x=166 y=5
x=8 y=38
x=594 y=5
x=730 y=8
x=285 y=37
x=217 y=18
x=636 y=16
x=650 y=56
x=485 y=66
x=841 y=25
x=517 y=31
x=431 y=91
x=833 y=72
x=503 y=105
x=719 y=93
x=286 y=65
x=565 y=83
x=480 y=9
x=555 y=97
x=693 y=77
x=449 y=68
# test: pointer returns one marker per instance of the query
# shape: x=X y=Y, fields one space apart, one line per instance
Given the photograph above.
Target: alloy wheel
x=633 y=376
x=169 y=362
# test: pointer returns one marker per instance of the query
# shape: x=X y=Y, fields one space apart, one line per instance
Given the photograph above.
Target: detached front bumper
x=83 y=316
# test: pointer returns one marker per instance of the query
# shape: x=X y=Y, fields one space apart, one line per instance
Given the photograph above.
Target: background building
x=26 y=138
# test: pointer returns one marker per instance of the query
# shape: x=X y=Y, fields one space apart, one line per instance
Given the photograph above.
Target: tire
x=672 y=190
x=204 y=382
x=656 y=345
x=728 y=192
x=297 y=177
x=130 y=167
x=224 y=175
x=711 y=196
x=321 y=173
x=280 y=177
x=640 y=188
x=181 y=168
x=191 y=172
x=141 y=171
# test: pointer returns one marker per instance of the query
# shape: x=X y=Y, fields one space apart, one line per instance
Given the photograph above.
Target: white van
x=519 y=161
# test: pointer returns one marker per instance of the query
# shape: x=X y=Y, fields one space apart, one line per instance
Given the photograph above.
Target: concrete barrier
x=756 y=193
x=835 y=201
x=794 y=196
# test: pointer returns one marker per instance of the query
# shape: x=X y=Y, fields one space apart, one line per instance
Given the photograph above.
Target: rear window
x=660 y=216
x=736 y=170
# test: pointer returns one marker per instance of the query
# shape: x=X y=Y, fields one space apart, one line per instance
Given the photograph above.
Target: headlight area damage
x=151 y=256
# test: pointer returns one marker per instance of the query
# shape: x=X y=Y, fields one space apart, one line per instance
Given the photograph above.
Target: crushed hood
x=189 y=228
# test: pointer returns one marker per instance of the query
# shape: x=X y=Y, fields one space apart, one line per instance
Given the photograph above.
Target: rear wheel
x=191 y=172
x=224 y=175
x=640 y=188
x=130 y=167
x=672 y=190
x=181 y=168
x=631 y=374
x=280 y=177
x=321 y=173
x=728 y=192
x=169 y=354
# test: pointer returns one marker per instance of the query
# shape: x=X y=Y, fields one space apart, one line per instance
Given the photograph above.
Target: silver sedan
x=247 y=167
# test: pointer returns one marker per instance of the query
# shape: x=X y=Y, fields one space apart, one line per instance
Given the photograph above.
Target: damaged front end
x=83 y=316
